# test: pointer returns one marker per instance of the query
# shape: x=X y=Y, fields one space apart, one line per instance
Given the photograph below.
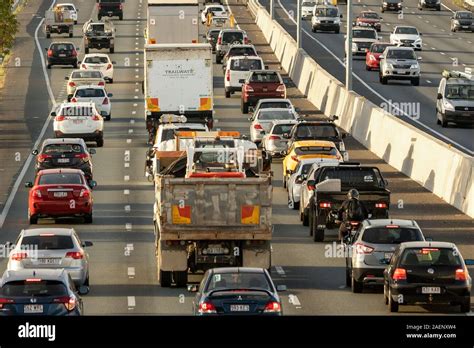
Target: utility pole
x=272 y=9
x=298 y=25
x=349 y=47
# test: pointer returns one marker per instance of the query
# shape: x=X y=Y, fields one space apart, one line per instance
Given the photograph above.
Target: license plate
x=239 y=308
x=465 y=26
x=401 y=72
x=215 y=251
x=49 y=261
x=32 y=308
x=77 y=121
x=62 y=55
x=63 y=160
x=431 y=290
x=60 y=194
x=265 y=89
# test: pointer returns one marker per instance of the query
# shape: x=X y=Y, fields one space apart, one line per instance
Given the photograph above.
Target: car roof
x=50 y=141
x=312 y=160
x=96 y=55
x=405 y=26
x=60 y=171
x=38 y=231
x=276 y=109
x=313 y=143
x=272 y=100
x=265 y=72
x=363 y=28
x=246 y=57
x=326 y=6
x=239 y=45
x=385 y=222
x=401 y=48
x=59 y=274
x=427 y=244
x=238 y=270
x=278 y=122
x=232 y=30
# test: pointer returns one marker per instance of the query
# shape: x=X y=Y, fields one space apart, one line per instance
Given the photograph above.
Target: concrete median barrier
x=437 y=166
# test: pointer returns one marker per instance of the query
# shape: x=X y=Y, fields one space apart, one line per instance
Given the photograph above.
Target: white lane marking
x=294 y=300
x=127 y=209
x=128 y=226
x=130 y=246
x=442 y=53
x=129 y=141
x=132 y=121
x=131 y=302
x=134 y=112
x=126 y=165
x=135 y=105
x=401 y=112
x=342 y=287
x=126 y=178
x=27 y=163
x=136 y=91
x=130 y=131
x=419 y=17
x=131 y=272
x=428 y=81
x=280 y=270
x=126 y=192
x=433 y=48
x=469 y=42
x=443 y=30
x=446 y=7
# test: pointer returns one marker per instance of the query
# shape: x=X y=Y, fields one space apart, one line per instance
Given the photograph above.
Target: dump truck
x=59 y=20
x=214 y=216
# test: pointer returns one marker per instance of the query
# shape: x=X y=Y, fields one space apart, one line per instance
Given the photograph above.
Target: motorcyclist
x=352 y=209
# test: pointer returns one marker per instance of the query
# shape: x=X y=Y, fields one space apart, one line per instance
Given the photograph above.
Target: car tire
x=48 y=66
x=382 y=10
x=443 y=121
x=70 y=35
x=227 y=94
x=318 y=235
x=218 y=59
x=180 y=278
x=75 y=22
x=337 y=31
x=76 y=66
x=438 y=8
x=392 y=305
x=108 y=117
x=86 y=282
x=121 y=17
x=305 y=219
x=99 y=17
x=111 y=81
x=384 y=80
x=86 y=50
x=415 y=81
x=165 y=279
x=88 y=218
x=244 y=107
x=313 y=29
x=112 y=49
x=100 y=142
x=466 y=306
x=356 y=286
x=310 y=223
x=348 y=277
x=33 y=219
x=385 y=298
x=368 y=68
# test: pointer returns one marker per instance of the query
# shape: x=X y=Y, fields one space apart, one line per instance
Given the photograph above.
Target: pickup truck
x=261 y=84
x=59 y=21
x=330 y=185
x=110 y=8
x=99 y=35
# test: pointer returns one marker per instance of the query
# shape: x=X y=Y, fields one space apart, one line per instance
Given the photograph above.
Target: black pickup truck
x=110 y=8
x=327 y=198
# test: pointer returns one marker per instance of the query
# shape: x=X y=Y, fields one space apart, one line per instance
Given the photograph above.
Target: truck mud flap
x=172 y=258
x=257 y=255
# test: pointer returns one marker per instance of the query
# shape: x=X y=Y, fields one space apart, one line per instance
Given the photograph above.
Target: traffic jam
x=212 y=187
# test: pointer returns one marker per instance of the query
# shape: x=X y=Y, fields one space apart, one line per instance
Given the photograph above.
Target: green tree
x=8 y=26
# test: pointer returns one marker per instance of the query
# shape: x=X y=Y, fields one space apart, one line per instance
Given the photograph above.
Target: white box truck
x=179 y=81
x=172 y=21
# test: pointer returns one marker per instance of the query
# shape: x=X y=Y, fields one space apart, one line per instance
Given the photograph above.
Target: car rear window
x=430 y=257
x=52 y=242
x=371 y=15
x=77 y=111
x=275 y=105
x=354 y=177
x=241 y=51
x=316 y=131
x=238 y=281
x=54 y=149
x=265 y=77
x=23 y=288
x=364 y=34
x=233 y=36
x=58 y=179
x=66 y=7
x=282 y=128
x=62 y=47
x=384 y=235
x=90 y=93
x=310 y=150
x=283 y=114
x=87 y=75
x=379 y=48
x=245 y=64
x=96 y=60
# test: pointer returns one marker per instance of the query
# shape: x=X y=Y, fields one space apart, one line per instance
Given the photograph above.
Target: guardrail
x=440 y=168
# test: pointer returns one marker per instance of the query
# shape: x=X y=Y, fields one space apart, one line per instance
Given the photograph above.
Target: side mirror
x=262 y=132
x=281 y=287
x=421 y=34
x=92 y=151
x=46 y=48
x=381 y=57
x=110 y=95
x=266 y=67
x=93 y=184
x=87 y=244
x=53 y=114
x=79 y=62
x=83 y=290
x=283 y=153
x=340 y=16
x=66 y=78
x=7 y=245
x=114 y=62
x=34 y=152
x=419 y=58
x=193 y=288
x=29 y=184
x=439 y=96
x=311 y=183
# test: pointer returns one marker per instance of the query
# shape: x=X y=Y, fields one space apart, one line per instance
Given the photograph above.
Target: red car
x=369 y=19
x=261 y=84
x=372 y=57
x=59 y=193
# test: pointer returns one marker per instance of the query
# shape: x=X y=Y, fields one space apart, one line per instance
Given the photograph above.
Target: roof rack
x=467 y=74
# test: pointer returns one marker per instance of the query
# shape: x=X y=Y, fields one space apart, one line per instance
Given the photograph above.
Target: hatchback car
x=101 y=62
x=61 y=53
x=227 y=38
x=276 y=140
x=64 y=153
x=237 y=70
x=427 y=273
x=97 y=95
x=372 y=57
x=371 y=248
x=262 y=121
x=58 y=193
x=40 y=292
x=362 y=38
x=83 y=78
x=43 y=248
x=79 y=120
x=261 y=84
x=237 y=291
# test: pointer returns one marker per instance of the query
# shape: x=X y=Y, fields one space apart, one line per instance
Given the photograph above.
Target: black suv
x=110 y=8
x=62 y=53
x=64 y=153
x=391 y=5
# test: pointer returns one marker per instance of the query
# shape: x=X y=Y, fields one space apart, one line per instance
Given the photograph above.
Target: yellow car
x=308 y=149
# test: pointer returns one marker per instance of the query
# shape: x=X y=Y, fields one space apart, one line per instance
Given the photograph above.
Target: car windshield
x=282 y=128
x=73 y=111
x=371 y=15
x=62 y=47
x=305 y=168
x=51 y=242
x=39 y=287
x=461 y=92
x=308 y=4
x=354 y=177
x=316 y=150
x=275 y=104
x=406 y=30
x=57 y=149
x=265 y=77
x=326 y=12
x=391 y=235
x=378 y=48
x=90 y=93
x=238 y=281
x=364 y=34
x=97 y=27
x=60 y=179
x=284 y=114
x=233 y=36
x=316 y=132
x=401 y=54
x=96 y=60
x=464 y=15
x=87 y=75
x=246 y=64
x=430 y=257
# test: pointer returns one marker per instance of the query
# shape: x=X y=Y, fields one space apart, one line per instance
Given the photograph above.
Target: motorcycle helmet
x=353 y=194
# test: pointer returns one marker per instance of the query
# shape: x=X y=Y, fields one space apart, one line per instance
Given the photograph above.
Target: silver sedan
x=276 y=140
x=262 y=121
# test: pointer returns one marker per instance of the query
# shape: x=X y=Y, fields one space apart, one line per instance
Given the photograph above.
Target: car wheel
x=218 y=59
x=48 y=66
x=385 y=298
x=180 y=278
x=415 y=81
x=112 y=49
x=86 y=50
x=384 y=80
x=76 y=66
x=356 y=286
x=382 y=10
x=438 y=8
x=313 y=29
x=33 y=219
x=88 y=218
x=368 y=68
x=305 y=219
x=443 y=121
x=337 y=31
x=348 y=277
x=284 y=182
x=121 y=17
x=392 y=305
x=466 y=306
x=70 y=35
x=100 y=142
x=75 y=22
x=86 y=282
x=318 y=232
x=99 y=17
x=310 y=222
x=108 y=117
x=227 y=94
x=245 y=107
x=165 y=279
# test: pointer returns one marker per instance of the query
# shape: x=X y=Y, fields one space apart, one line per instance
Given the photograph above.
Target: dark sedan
x=237 y=291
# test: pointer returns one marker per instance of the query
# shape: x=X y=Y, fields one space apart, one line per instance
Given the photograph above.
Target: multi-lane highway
x=123 y=271
x=442 y=49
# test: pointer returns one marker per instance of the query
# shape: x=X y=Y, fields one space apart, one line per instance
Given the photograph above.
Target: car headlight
x=418 y=40
x=316 y=20
x=384 y=3
x=337 y=21
x=400 y=4
x=448 y=106
x=456 y=21
x=389 y=66
x=414 y=66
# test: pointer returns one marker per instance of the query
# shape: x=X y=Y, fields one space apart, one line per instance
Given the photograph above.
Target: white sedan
x=406 y=36
x=101 y=62
x=97 y=95
x=216 y=10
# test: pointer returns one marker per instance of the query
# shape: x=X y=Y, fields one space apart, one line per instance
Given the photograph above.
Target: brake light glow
x=248 y=88
x=60 y=118
x=227 y=75
x=84 y=66
x=96 y=118
x=257 y=126
x=72 y=84
x=392 y=226
x=426 y=251
x=272 y=307
x=381 y=205
x=101 y=83
x=4 y=301
x=84 y=193
x=74 y=53
x=461 y=274
x=109 y=66
x=43 y=157
x=219 y=40
x=33 y=280
x=325 y=205
x=363 y=249
x=74 y=100
x=207 y=307
x=76 y=255
x=69 y=302
x=246 y=40
x=50 y=53
x=295 y=158
x=47 y=234
x=400 y=274
x=19 y=256
x=274 y=137
x=82 y=156
x=281 y=88
x=37 y=194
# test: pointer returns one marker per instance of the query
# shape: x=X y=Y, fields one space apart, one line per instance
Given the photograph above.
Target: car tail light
x=248 y=88
x=106 y=101
x=400 y=274
x=60 y=118
x=207 y=307
x=82 y=156
x=73 y=100
x=101 y=83
x=281 y=88
x=121 y=6
x=381 y=205
x=99 y=6
x=219 y=40
x=33 y=280
x=69 y=302
x=325 y=205
x=96 y=118
x=363 y=249
x=37 y=194
x=461 y=274
x=274 y=137
x=84 y=193
x=76 y=255
x=72 y=84
x=227 y=75
x=246 y=40
x=257 y=126
x=19 y=256
x=50 y=53
x=84 y=66
x=272 y=307
x=43 y=157
x=74 y=53
x=109 y=66
x=311 y=187
x=392 y=226
x=295 y=158
x=4 y=301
